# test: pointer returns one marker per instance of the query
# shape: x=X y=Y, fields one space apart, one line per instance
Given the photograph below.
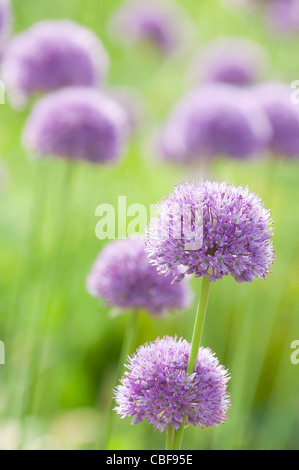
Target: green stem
x=195 y=344
x=199 y=323
x=43 y=272
x=178 y=437
x=127 y=347
x=169 y=437
x=50 y=276
x=19 y=318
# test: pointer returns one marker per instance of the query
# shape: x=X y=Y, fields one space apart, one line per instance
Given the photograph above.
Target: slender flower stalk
x=199 y=323
x=196 y=341
x=16 y=384
x=169 y=437
x=24 y=387
x=127 y=348
x=49 y=274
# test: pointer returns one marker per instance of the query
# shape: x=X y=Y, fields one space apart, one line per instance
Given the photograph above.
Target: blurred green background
x=49 y=323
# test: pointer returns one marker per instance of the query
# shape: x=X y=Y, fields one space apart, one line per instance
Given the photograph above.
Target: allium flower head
x=212 y=229
x=77 y=123
x=160 y=22
x=283 y=15
x=5 y=23
x=158 y=389
x=51 y=55
x=216 y=120
x=233 y=60
x=275 y=98
x=123 y=277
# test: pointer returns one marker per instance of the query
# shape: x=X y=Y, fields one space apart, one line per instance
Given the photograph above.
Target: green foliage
x=50 y=324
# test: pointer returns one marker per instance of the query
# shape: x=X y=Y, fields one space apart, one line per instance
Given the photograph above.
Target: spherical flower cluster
x=51 y=55
x=77 y=123
x=161 y=23
x=283 y=15
x=234 y=60
x=216 y=120
x=158 y=389
x=5 y=23
x=275 y=98
x=123 y=277
x=212 y=229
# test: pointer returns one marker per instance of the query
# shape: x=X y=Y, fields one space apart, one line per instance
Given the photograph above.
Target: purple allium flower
x=123 y=277
x=51 y=55
x=77 y=123
x=157 y=387
x=229 y=227
x=162 y=23
x=283 y=15
x=212 y=121
x=236 y=61
x=275 y=99
x=5 y=23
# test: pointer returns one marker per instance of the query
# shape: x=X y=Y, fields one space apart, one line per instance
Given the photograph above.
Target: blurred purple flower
x=216 y=120
x=51 y=55
x=158 y=389
x=234 y=60
x=5 y=23
x=162 y=23
x=275 y=98
x=77 y=123
x=233 y=238
x=123 y=277
x=283 y=15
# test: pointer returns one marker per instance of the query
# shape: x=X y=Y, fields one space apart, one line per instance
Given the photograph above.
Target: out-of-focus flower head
x=234 y=60
x=283 y=15
x=77 y=123
x=158 y=389
x=5 y=23
x=162 y=23
x=215 y=120
x=51 y=55
x=275 y=98
x=124 y=278
x=212 y=229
